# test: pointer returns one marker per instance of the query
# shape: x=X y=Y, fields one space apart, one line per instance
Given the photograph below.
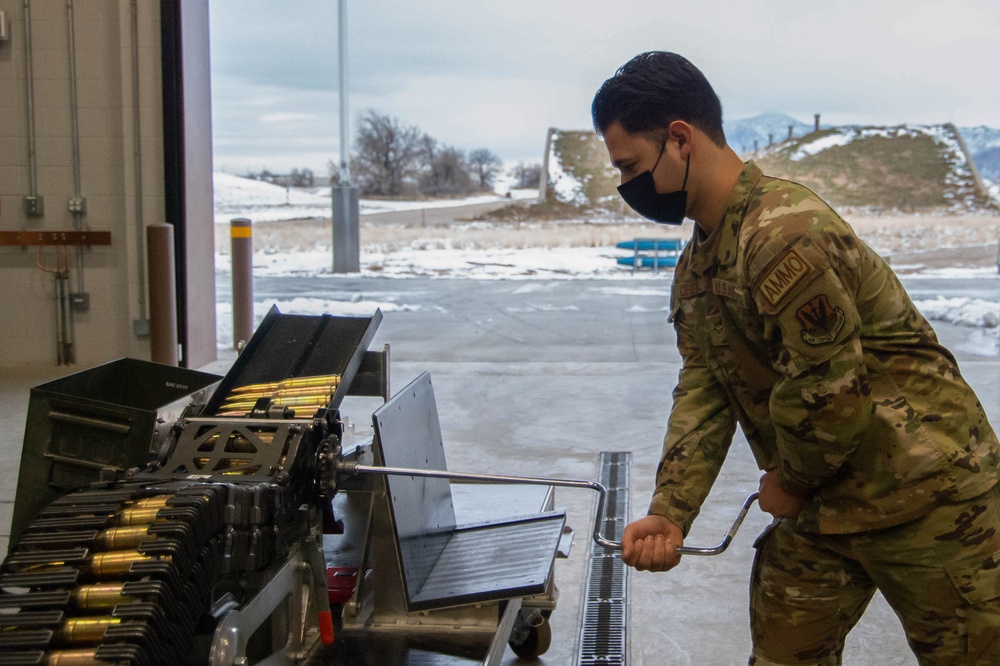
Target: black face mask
x=641 y=195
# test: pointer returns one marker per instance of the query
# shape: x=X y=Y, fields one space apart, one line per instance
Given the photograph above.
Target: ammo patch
x=820 y=321
x=787 y=273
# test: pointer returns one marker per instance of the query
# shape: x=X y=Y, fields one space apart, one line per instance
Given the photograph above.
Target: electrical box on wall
x=3 y=27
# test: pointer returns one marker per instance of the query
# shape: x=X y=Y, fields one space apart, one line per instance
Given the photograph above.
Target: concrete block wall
x=112 y=276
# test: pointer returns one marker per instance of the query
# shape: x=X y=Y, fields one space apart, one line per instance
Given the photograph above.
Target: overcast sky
x=496 y=74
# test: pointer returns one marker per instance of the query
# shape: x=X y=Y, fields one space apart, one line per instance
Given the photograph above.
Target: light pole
x=343 y=195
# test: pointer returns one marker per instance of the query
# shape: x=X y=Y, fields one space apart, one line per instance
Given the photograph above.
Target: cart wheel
x=536 y=643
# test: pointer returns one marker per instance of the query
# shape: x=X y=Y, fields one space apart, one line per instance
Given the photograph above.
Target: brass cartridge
x=73 y=658
x=101 y=596
x=305 y=390
x=293 y=401
x=302 y=409
x=114 y=563
x=229 y=466
x=238 y=443
x=294 y=382
x=158 y=501
x=140 y=516
x=252 y=397
x=305 y=410
x=85 y=630
x=119 y=538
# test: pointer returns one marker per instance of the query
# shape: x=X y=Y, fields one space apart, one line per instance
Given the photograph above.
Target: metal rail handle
x=353 y=468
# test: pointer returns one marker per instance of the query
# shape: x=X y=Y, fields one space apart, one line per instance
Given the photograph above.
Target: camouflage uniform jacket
x=790 y=325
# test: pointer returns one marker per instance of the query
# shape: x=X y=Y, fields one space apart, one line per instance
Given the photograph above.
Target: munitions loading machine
x=165 y=517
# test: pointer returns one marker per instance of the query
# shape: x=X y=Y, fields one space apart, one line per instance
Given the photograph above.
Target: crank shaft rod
x=351 y=467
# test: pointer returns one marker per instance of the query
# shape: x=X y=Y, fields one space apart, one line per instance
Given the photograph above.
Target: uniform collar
x=719 y=249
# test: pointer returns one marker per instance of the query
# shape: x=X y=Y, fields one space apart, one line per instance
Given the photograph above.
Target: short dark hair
x=654 y=89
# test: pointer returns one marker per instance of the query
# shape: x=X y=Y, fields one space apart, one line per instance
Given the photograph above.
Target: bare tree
x=303 y=178
x=387 y=154
x=390 y=158
x=264 y=175
x=445 y=170
x=527 y=175
x=485 y=166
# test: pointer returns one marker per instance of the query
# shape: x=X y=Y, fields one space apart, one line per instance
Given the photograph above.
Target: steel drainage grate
x=602 y=638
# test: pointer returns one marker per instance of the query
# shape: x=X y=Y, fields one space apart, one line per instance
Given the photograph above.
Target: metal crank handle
x=352 y=468
x=691 y=550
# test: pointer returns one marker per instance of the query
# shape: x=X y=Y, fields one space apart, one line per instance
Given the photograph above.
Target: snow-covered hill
x=908 y=168
x=983 y=143
x=236 y=196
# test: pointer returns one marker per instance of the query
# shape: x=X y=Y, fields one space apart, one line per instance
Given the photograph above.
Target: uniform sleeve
x=822 y=404
x=699 y=433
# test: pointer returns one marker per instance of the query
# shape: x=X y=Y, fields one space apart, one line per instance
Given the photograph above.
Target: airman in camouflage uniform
x=880 y=465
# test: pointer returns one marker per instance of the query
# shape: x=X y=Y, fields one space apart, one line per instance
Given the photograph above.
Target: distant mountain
x=983 y=144
x=988 y=163
x=757 y=133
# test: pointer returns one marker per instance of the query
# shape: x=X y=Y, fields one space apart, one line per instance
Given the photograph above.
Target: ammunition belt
x=124 y=574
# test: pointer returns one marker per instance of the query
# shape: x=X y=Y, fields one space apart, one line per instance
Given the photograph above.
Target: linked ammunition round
x=73 y=658
x=118 y=538
x=140 y=516
x=100 y=596
x=85 y=630
x=294 y=382
x=114 y=563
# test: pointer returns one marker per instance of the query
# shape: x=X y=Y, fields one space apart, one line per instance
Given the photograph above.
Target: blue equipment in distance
x=646 y=244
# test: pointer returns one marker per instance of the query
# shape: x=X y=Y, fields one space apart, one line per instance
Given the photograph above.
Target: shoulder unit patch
x=820 y=322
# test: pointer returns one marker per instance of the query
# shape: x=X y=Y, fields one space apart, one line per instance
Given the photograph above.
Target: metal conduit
x=73 y=106
x=77 y=206
x=137 y=156
x=60 y=335
x=30 y=83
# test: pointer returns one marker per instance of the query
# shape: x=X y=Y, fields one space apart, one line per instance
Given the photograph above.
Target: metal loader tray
x=437 y=592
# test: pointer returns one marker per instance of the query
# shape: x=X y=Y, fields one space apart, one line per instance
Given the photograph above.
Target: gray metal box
x=112 y=416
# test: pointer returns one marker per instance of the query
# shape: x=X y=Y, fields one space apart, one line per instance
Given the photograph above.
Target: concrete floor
x=536 y=378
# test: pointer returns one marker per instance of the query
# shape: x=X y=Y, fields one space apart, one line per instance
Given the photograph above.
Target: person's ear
x=681 y=134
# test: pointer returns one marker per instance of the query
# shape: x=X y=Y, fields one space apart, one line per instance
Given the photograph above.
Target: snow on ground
x=236 y=196
x=962 y=311
x=303 y=306
x=264 y=202
x=496 y=264
x=550 y=264
x=564 y=263
x=845 y=135
x=824 y=143
x=566 y=186
x=919 y=271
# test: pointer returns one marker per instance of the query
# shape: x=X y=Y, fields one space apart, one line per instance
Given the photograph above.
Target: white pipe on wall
x=141 y=324
x=77 y=206
x=74 y=107
x=30 y=85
